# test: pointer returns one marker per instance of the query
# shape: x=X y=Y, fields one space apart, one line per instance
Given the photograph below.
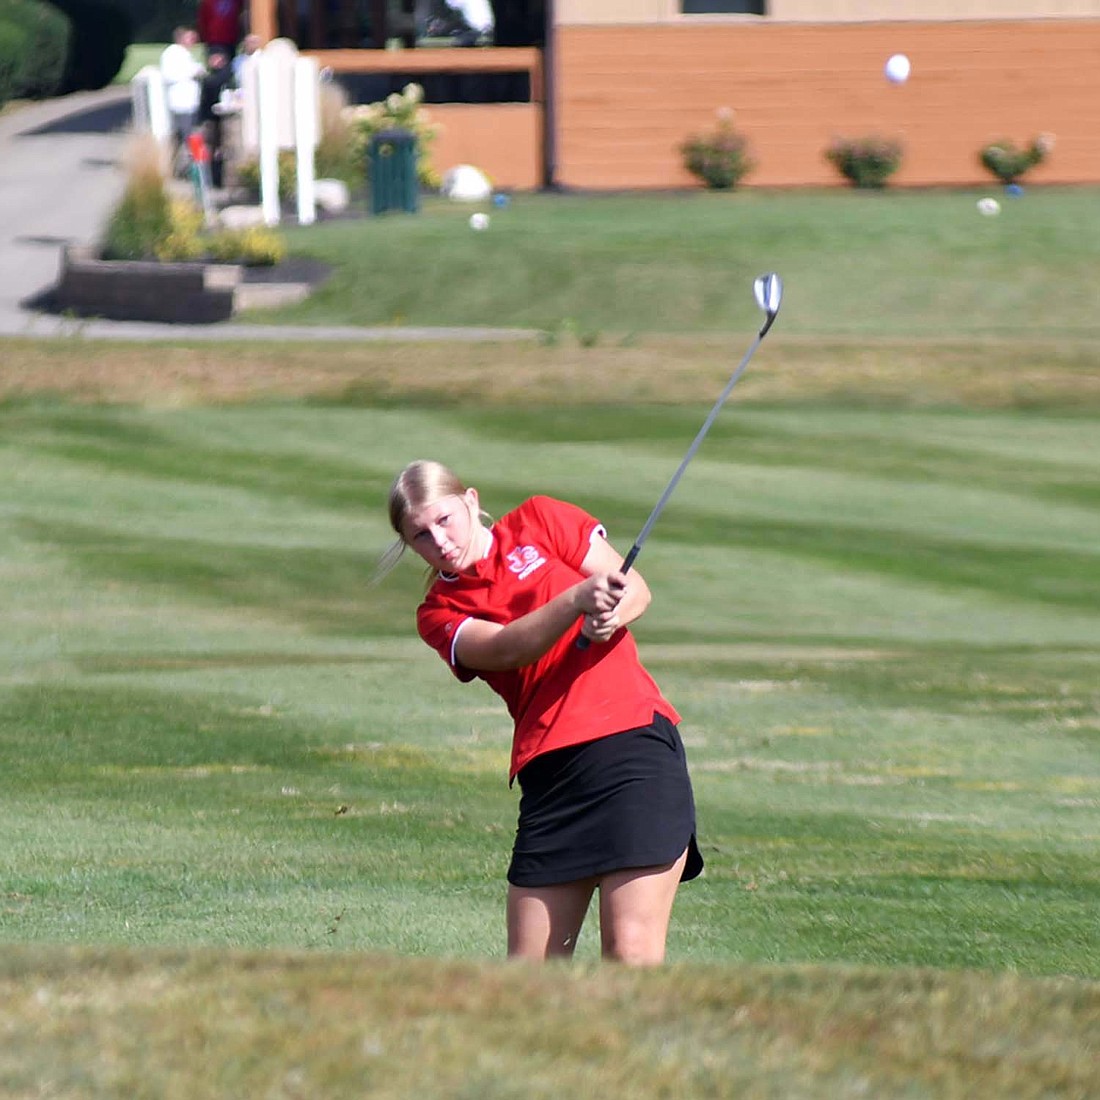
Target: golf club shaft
x=658 y=508
x=639 y=542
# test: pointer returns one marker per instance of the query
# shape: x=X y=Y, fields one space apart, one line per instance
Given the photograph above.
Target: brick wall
x=628 y=95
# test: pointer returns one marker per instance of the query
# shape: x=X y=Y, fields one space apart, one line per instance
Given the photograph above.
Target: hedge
x=13 y=48
x=40 y=62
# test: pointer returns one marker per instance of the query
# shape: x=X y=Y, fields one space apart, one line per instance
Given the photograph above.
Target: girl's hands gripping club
x=598 y=600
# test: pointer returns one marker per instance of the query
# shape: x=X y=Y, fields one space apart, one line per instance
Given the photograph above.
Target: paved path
x=59 y=178
x=61 y=175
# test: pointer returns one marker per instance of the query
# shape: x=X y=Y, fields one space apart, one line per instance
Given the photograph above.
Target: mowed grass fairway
x=255 y=835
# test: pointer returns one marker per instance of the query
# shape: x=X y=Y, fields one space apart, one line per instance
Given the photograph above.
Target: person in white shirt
x=182 y=82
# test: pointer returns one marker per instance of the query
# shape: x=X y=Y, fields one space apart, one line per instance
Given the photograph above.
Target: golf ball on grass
x=479 y=221
x=897 y=68
x=989 y=207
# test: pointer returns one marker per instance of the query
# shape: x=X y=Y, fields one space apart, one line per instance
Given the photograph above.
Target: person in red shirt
x=606 y=801
x=219 y=25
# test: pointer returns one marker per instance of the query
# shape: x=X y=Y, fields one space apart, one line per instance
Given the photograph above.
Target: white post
x=269 y=138
x=250 y=103
x=306 y=134
x=148 y=103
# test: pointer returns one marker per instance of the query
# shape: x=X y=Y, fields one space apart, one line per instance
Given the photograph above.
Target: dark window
x=740 y=7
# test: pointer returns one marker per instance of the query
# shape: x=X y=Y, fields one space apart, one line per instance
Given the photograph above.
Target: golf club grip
x=628 y=561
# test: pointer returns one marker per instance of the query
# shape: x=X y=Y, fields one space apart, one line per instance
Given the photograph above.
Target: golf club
x=769 y=293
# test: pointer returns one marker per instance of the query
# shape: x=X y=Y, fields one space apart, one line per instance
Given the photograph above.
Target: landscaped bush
x=40 y=62
x=149 y=224
x=13 y=48
x=866 y=162
x=1008 y=163
x=719 y=159
x=402 y=110
x=256 y=246
x=184 y=241
x=345 y=134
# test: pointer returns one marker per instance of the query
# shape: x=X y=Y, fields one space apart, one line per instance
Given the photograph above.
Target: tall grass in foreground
x=171 y=1026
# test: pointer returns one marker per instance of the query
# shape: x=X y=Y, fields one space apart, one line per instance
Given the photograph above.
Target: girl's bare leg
x=545 y=921
x=635 y=909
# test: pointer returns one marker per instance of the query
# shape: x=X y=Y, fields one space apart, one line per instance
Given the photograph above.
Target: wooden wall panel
x=628 y=95
x=826 y=11
x=504 y=140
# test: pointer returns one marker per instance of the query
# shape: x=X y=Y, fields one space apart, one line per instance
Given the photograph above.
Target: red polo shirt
x=569 y=695
x=219 y=22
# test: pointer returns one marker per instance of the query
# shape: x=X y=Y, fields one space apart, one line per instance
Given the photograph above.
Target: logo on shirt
x=524 y=560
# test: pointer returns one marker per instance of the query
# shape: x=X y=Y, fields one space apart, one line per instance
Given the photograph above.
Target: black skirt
x=608 y=805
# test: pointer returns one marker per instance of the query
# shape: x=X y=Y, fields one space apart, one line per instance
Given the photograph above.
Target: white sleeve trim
x=599 y=531
x=454 y=641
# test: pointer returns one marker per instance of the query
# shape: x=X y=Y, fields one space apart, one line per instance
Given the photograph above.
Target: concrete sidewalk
x=61 y=174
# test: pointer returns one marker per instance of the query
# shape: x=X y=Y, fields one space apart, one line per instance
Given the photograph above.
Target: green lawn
x=920 y=264
x=255 y=835
x=881 y=627
x=138 y=56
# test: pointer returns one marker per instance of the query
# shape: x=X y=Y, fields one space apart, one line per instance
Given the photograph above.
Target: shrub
x=1003 y=160
x=402 y=110
x=184 y=240
x=41 y=62
x=13 y=48
x=865 y=162
x=149 y=224
x=256 y=246
x=342 y=148
x=719 y=159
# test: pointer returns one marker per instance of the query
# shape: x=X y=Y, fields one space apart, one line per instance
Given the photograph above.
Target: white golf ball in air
x=989 y=207
x=897 y=69
x=479 y=221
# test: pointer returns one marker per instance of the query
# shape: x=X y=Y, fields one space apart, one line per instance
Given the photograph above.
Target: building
x=620 y=84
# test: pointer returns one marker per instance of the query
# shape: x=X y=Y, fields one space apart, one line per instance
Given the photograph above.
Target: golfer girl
x=606 y=802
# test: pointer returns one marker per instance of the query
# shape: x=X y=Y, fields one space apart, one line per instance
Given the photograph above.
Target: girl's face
x=446 y=533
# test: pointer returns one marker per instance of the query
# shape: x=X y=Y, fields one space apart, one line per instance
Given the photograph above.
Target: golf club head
x=769 y=293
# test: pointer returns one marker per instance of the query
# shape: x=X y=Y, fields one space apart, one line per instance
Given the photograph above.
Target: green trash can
x=391 y=170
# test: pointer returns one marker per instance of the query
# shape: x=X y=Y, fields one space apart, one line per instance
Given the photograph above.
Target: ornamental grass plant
x=143 y=218
x=150 y=223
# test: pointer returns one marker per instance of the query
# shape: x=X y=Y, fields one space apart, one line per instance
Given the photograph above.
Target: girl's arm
x=602 y=557
x=607 y=599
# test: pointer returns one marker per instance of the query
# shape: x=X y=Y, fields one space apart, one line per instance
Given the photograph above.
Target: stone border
x=177 y=293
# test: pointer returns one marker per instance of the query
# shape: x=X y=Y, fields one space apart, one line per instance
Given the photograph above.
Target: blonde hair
x=420 y=482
